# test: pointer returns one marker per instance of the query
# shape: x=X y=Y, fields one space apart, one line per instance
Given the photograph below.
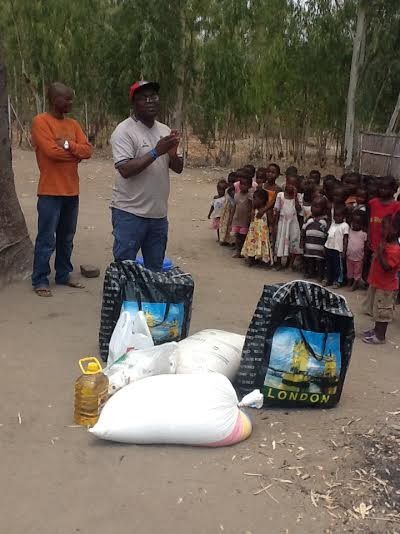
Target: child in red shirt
x=380 y=208
x=383 y=281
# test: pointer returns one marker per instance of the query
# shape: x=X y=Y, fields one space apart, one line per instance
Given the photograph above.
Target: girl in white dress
x=217 y=206
x=288 y=209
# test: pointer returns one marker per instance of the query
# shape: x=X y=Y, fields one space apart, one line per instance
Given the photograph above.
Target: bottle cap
x=93 y=367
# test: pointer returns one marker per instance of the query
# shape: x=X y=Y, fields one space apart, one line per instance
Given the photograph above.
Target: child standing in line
x=217 y=205
x=288 y=209
x=339 y=196
x=383 y=282
x=248 y=171
x=314 y=234
x=257 y=245
x=242 y=214
x=308 y=194
x=225 y=225
x=380 y=208
x=336 y=247
x=351 y=182
x=361 y=200
x=372 y=187
x=315 y=177
x=329 y=184
x=301 y=182
x=356 y=249
x=319 y=192
x=261 y=177
x=291 y=171
x=272 y=174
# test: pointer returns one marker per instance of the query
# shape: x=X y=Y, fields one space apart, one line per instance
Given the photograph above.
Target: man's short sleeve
x=124 y=146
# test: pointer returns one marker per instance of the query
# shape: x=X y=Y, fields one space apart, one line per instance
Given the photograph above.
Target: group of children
x=338 y=231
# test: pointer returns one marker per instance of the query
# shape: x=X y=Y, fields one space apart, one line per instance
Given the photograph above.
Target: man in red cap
x=143 y=151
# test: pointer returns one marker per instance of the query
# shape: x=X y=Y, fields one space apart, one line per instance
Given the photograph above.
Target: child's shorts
x=242 y=230
x=380 y=304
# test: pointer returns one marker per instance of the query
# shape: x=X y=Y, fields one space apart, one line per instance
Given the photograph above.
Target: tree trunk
x=15 y=245
x=394 y=117
x=177 y=116
x=356 y=62
x=378 y=99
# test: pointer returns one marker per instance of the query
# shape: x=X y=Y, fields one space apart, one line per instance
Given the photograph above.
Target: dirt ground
x=326 y=471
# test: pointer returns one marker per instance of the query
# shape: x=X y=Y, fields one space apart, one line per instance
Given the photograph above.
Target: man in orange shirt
x=60 y=145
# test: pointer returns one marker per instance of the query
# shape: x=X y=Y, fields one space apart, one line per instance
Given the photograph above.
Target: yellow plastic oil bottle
x=91 y=392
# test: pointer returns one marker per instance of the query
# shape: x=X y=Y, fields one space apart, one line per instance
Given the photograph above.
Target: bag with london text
x=298 y=345
x=165 y=299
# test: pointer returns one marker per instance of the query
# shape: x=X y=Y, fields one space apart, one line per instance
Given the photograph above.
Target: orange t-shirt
x=58 y=167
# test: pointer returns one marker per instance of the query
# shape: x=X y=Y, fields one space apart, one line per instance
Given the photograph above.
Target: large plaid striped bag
x=165 y=298
x=298 y=346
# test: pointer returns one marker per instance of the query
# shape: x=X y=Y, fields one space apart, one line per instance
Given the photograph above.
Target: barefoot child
x=257 y=245
x=314 y=234
x=356 y=250
x=383 y=282
x=288 y=209
x=242 y=214
x=217 y=205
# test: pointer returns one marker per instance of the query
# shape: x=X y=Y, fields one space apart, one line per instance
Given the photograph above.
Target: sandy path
x=56 y=479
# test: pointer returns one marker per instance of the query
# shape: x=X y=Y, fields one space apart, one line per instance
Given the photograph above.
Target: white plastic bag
x=142 y=363
x=197 y=409
x=210 y=351
x=129 y=333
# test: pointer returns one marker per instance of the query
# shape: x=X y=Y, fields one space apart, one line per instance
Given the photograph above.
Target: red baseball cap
x=140 y=84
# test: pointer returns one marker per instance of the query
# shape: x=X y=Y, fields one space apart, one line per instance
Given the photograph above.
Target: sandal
x=373 y=340
x=43 y=291
x=368 y=333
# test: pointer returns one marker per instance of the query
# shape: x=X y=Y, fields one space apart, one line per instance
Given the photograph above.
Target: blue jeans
x=56 y=230
x=132 y=233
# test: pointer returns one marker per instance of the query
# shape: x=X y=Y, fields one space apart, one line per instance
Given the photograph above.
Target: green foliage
x=260 y=66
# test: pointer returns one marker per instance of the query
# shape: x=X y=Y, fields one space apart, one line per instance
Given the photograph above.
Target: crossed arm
x=44 y=139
